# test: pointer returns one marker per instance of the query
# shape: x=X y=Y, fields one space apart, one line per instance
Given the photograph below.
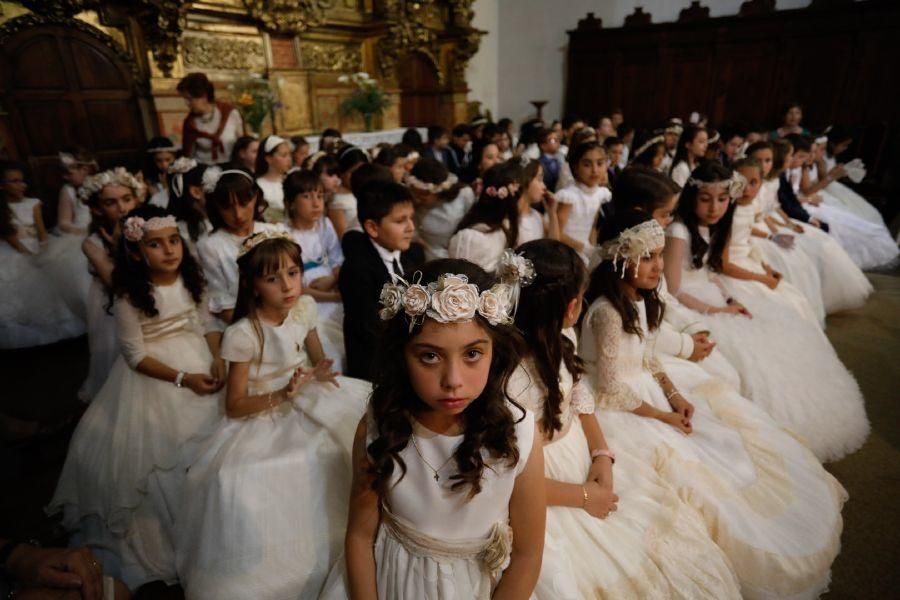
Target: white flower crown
x=432 y=188
x=118 y=176
x=632 y=244
x=450 y=299
x=256 y=239
x=735 y=184
x=135 y=227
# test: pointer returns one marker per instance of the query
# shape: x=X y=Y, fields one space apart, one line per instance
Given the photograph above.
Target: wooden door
x=419 y=91
x=63 y=87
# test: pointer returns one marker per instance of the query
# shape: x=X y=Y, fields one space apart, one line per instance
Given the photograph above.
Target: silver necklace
x=437 y=477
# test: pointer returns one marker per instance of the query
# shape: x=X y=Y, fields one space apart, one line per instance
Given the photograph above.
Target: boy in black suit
x=385 y=246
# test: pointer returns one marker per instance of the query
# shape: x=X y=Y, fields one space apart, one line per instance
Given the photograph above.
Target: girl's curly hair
x=489 y=421
x=131 y=278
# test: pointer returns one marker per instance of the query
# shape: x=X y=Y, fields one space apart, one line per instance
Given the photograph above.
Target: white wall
x=481 y=73
x=528 y=44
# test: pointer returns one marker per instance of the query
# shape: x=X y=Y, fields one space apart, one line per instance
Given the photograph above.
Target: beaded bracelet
x=584 y=491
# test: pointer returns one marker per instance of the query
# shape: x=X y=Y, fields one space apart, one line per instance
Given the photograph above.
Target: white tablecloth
x=369 y=139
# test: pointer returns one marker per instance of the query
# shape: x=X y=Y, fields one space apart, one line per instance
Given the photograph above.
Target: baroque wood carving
x=288 y=16
x=204 y=52
x=344 y=58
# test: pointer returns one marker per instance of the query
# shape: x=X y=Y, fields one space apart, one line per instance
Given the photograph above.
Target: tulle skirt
x=870 y=245
x=789 y=368
x=765 y=499
x=842 y=196
x=103 y=344
x=265 y=498
x=784 y=293
x=67 y=267
x=118 y=473
x=653 y=546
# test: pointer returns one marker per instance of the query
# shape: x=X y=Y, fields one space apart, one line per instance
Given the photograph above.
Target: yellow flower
x=246 y=99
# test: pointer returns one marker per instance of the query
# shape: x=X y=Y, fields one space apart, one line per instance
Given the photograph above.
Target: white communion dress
x=479 y=245
x=265 y=497
x=787 y=365
x=841 y=284
x=842 y=196
x=32 y=310
x=273 y=193
x=434 y=542
x=218 y=255
x=653 y=546
x=586 y=203
x=346 y=202
x=103 y=343
x=435 y=224
x=65 y=262
x=118 y=490
x=322 y=254
x=742 y=253
x=765 y=499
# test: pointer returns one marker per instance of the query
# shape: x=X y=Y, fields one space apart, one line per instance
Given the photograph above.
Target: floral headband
x=258 y=238
x=135 y=227
x=517 y=272
x=658 y=139
x=178 y=169
x=735 y=184
x=502 y=191
x=450 y=299
x=432 y=188
x=117 y=176
x=212 y=176
x=69 y=161
x=633 y=244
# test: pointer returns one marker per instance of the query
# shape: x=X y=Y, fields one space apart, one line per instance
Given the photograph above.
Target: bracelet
x=179 y=379
x=584 y=491
x=595 y=454
x=671 y=394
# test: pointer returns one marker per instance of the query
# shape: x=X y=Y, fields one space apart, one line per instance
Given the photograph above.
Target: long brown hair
x=488 y=422
x=267 y=257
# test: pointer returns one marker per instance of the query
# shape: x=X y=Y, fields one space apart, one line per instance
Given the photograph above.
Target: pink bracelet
x=602 y=452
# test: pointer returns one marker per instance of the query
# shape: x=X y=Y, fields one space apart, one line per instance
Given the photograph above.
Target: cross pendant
x=437 y=477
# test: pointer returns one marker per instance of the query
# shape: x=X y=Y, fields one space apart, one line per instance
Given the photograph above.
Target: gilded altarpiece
x=300 y=46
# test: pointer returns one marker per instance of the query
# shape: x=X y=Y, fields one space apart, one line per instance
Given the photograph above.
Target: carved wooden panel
x=419 y=91
x=38 y=65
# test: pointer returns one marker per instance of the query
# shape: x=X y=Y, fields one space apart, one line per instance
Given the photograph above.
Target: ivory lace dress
x=653 y=546
x=765 y=499
x=434 y=542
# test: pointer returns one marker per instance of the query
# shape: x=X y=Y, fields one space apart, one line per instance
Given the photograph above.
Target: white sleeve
x=611 y=391
x=472 y=246
x=332 y=245
x=681 y=173
x=218 y=293
x=670 y=341
x=129 y=332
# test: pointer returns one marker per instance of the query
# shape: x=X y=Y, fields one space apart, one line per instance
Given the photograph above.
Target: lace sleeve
x=651 y=363
x=582 y=400
x=611 y=392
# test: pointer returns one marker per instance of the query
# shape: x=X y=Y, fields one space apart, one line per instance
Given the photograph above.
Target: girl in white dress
x=683 y=333
x=833 y=276
x=272 y=163
x=235 y=207
x=187 y=201
x=342 y=204
x=160 y=155
x=72 y=215
x=322 y=257
x=634 y=539
x=869 y=244
x=110 y=195
x=532 y=224
x=581 y=204
x=492 y=224
x=117 y=490
x=690 y=152
x=744 y=270
x=838 y=141
x=264 y=507
x=441 y=202
x=787 y=364
x=765 y=499
x=448 y=488
x=32 y=310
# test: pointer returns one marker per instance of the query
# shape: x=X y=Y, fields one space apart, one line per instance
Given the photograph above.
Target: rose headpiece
x=258 y=238
x=432 y=188
x=212 y=176
x=735 y=184
x=450 y=299
x=135 y=227
x=118 y=176
x=178 y=169
x=632 y=244
x=502 y=192
x=517 y=272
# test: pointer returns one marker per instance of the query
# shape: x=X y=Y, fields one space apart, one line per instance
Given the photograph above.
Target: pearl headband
x=735 y=184
x=135 y=227
x=632 y=244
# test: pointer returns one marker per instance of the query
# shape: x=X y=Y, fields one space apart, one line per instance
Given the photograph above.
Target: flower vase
x=367 y=120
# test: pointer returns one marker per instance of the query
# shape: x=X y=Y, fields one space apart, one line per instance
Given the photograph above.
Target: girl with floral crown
x=492 y=224
x=265 y=494
x=630 y=539
x=781 y=358
x=448 y=490
x=765 y=499
x=117 y=490
x=441 y=202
